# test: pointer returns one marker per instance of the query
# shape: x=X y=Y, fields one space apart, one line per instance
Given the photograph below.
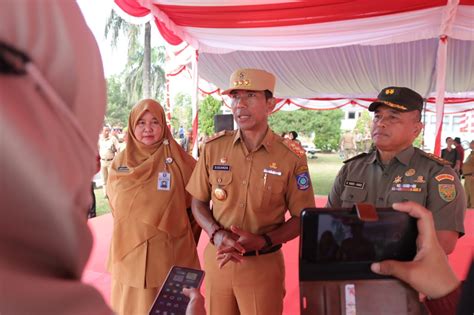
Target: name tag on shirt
x=164 y=181
x=351 y=183
x=218 y=167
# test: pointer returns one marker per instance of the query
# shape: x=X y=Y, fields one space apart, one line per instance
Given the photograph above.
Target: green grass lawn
x=323 y=171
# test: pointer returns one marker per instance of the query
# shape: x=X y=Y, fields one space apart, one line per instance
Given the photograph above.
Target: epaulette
x=435 y=158
x=294 y=147
x=358 y=156
x=216 y=136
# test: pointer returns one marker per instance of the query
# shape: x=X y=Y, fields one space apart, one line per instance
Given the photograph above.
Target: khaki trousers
x=469 y=189
x=256 y=286
x=126 y=300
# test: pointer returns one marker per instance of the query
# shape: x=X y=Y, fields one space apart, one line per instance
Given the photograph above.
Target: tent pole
x=195 y=75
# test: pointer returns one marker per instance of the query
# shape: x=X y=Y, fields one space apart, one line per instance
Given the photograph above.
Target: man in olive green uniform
x=468 y=174
x=395 y=171
x=252 y=176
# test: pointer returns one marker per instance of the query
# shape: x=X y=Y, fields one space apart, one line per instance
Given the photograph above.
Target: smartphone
x=170 y=300
x=336 y=245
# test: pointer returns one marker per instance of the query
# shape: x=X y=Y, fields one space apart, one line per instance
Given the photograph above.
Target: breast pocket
x=273 y=193
x=402 y=196
x=222 y=180
x=351 y=196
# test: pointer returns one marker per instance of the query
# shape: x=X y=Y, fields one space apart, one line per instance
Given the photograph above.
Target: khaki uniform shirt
x=412 y=175
x=260 y=185
x=108 y=147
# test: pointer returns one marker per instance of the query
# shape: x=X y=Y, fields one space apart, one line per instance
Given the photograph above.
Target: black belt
x=107 y=160
x=263 y=251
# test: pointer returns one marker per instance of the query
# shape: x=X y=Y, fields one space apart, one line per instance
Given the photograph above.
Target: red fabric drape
x=292 y=13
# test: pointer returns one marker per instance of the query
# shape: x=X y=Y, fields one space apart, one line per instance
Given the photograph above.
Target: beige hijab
x=139 y=208
x=49 y=125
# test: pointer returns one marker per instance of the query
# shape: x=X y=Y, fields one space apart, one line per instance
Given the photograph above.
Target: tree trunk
x=147 y=62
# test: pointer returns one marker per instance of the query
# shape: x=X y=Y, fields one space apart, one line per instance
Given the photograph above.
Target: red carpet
x=96 y=275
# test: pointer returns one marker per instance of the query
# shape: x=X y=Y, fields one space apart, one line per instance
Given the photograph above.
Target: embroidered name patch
x=350 y=183
x=302 y=181
x=270 y=171
x=221 y=167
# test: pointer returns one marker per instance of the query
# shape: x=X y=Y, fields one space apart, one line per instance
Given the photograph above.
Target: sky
x=96 y=13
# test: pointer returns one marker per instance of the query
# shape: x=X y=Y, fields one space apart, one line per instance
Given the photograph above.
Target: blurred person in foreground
x=52 y=103
x=153 y=228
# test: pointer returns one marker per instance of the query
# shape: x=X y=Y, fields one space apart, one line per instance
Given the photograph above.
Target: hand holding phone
x=170 y=299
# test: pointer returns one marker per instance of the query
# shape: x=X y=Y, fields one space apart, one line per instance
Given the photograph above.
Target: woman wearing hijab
x=153 y=230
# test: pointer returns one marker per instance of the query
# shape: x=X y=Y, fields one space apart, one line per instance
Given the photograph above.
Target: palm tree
x=144 y=74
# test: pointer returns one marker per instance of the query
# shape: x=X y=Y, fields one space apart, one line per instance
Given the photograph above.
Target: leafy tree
x=327 y=129
x=118 y=108
x=182 y=112
x=364 y=122
x=325 y=125
x=208 y=108
x=144 y=74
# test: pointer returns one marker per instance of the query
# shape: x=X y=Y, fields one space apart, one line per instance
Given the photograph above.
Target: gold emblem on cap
x=397 y=180
x=410 y=172
x=220 y=193
x=389 y=91
x=273 y=165
x=242 y=75
x=223 y=160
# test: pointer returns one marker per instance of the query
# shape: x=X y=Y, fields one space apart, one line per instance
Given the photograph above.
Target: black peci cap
x=400 y=98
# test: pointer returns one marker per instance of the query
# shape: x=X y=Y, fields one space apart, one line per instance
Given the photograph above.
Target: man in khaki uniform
x=108 y=147
x=252 y=176
x=348 y=144
x=468 y=174
x=395 y=171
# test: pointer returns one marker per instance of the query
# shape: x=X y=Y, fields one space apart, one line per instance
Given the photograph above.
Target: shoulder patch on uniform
x=356 y=157
x=217 y=135
x=294 y=147
x=433 y=157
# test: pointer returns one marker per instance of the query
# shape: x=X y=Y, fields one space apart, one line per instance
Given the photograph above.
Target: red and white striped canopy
x=321 y=49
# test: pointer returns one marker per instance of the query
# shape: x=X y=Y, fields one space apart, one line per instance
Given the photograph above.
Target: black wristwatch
x=268 y=241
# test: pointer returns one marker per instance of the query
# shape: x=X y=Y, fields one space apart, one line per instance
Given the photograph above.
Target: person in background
x=293 y=135
x=108 y=148
x=187 y=142
x=92 y=210
x=460 y=149
x=395 y=171
x=52 y=104
x=252 y=177
x=450 y=154
x=153 y=228
x=468 y=174
x=348 y=144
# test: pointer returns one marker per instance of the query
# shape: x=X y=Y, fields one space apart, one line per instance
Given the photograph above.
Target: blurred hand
x=429 y=272
x=228 y=249
x=196 y=302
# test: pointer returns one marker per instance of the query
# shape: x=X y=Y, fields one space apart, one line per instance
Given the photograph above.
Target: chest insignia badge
x=420 y=180
x=410 y=172
x=220 y=194
x=397 y=180
x=223 y=160
x=273 y=165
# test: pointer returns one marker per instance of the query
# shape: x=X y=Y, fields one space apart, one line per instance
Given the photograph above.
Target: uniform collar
x=266 y=142
x=403 y=157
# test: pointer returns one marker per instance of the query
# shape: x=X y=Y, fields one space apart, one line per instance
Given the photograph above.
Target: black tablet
x=336 y=245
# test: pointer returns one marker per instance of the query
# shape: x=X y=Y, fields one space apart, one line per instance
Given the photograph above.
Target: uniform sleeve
x=300 y=193
x=446 y=200
x=198 y=185
x=334 y=198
